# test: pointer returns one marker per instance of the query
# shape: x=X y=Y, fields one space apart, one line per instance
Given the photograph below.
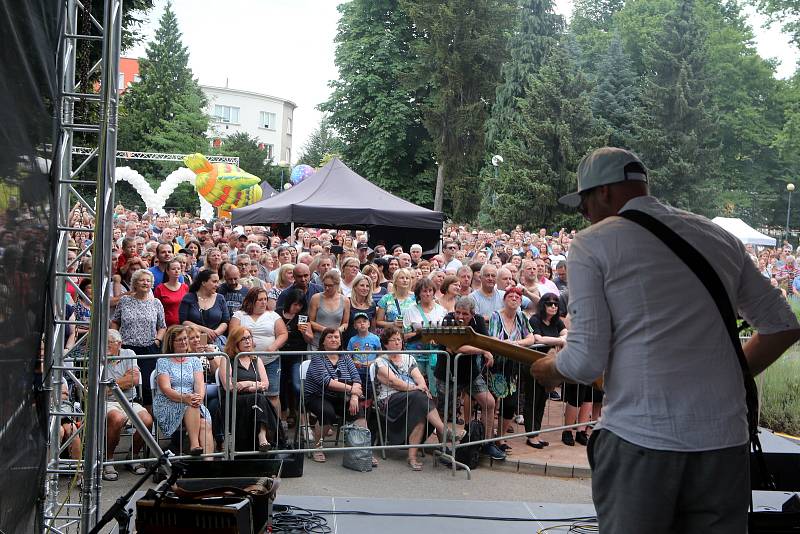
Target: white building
x=266 y=118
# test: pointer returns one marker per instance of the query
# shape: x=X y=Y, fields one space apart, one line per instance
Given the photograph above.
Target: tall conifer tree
x=679 y=135
x=554 y=130
x=537 y=31
x=460 y=46
x=615 y=100
x=164 y=111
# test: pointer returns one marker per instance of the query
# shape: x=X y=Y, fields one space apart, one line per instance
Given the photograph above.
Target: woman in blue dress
x=180 y=389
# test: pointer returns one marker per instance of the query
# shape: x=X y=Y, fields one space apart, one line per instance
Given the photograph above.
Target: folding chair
x=305 y=427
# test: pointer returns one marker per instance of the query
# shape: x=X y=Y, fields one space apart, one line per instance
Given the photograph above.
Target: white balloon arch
x=157 y=199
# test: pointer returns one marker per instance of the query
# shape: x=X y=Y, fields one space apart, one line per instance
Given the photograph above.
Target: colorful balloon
x=223 y=185
x=300 y=173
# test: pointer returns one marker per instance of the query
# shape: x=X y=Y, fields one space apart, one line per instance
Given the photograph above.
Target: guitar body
x=453 y=337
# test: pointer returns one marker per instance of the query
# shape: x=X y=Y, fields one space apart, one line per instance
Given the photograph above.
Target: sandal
x=196 y=451
x=137 y=468
x=318 y=456
x=374 y=462
x=264 y=447
x=414 y=465
x=109 y=473
x=536 y=444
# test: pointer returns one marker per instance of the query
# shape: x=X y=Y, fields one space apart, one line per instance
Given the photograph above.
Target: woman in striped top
x=332 y=388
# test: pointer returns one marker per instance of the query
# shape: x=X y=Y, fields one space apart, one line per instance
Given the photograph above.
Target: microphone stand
x=256 y=408
x=118 y=510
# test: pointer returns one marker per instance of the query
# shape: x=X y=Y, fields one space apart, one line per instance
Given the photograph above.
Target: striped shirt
x=321 y=371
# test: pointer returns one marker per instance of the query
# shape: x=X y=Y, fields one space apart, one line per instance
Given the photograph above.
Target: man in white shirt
x=673 y=451
x=488 y=298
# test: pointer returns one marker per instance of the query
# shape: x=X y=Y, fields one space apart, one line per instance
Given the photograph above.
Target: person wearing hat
x=363 y=255
x=672 y=449
x=362 y=343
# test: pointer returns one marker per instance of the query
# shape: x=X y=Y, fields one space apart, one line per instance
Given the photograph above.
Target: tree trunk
x=438 y=199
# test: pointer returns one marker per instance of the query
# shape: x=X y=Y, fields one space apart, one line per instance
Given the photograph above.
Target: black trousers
x=534 y=403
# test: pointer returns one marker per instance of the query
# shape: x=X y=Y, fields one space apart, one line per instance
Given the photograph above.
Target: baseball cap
x=362 y=245
x=360 y=315
x=602 y=167
x=201 y=229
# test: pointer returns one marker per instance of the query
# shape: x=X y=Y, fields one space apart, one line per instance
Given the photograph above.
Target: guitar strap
x=700 y=266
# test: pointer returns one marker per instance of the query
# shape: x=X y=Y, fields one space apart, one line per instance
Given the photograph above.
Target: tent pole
x=291 y=234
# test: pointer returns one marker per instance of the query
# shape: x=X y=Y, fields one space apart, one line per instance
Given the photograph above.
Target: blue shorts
x=274 y=377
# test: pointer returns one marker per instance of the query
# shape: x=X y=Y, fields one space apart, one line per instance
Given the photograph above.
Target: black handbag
x=698 y=264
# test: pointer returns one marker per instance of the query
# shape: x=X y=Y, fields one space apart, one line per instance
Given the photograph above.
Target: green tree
x=537 y=30
x=784 y=12
x=322 y=146
x=592 y=28
x=376 y=117
x=459 y=49
x=747 y=96
x=679 y=133
x=554 y=131
x=165 y=109
x=615 y=100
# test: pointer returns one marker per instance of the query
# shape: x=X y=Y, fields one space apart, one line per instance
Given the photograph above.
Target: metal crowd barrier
x=303 y=415
x=520 y=386
x=448 y=390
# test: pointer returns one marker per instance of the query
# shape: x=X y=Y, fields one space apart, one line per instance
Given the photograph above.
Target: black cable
x=581 y=519
x=293 y=519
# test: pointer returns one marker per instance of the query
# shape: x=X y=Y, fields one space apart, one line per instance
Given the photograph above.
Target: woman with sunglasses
x=549 y=329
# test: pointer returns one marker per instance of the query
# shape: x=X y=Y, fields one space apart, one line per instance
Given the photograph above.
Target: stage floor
x=532 y=516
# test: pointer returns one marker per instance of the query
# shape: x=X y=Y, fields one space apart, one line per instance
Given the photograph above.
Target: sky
x=285 y=48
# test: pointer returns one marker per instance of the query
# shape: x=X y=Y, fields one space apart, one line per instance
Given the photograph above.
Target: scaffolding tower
x=76 y=508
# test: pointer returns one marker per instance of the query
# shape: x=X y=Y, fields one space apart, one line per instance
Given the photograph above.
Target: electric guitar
x=453 y=337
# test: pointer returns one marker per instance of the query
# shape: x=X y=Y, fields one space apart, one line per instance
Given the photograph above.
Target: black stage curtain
x=29 y=84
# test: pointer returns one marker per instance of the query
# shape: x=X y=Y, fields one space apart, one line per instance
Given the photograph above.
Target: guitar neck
x=455 y=337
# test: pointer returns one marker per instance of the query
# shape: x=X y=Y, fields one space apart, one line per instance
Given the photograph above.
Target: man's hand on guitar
x=545 y=372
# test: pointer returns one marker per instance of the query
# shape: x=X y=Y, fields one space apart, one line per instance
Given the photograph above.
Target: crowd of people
x=182 y=286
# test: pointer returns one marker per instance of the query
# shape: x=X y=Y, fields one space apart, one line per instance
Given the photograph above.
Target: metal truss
x=154 y=156
x=72 y=507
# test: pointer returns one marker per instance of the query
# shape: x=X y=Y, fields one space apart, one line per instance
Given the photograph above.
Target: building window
x=288 y=155
x=269 y=149
x=266 y=120
x=226 y=114
x=121 y=80
x=289 y=126
x=136 y=78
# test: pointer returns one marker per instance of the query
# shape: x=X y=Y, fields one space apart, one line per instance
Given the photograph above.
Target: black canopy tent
x=337 y=197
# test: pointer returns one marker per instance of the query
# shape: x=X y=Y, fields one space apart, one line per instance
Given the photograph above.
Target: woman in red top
x=171 y=291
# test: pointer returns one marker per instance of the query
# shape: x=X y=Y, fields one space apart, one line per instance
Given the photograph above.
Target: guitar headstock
x=441 y=331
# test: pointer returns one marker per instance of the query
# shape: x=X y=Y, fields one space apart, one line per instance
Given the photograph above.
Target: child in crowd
x=361 y=344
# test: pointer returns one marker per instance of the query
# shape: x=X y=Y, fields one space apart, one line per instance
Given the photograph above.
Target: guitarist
x=673 y=451
x=470 y=379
